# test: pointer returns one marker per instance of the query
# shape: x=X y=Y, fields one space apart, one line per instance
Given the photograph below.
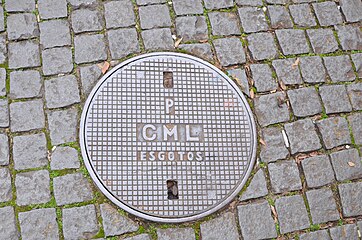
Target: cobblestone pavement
x=298 y=61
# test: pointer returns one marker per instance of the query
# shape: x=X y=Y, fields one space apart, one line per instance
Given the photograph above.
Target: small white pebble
x=174 y=37
x=348 y=147
x=286 y=142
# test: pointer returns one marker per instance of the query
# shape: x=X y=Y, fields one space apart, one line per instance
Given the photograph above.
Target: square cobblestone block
x=80 y=222
x=57 y=61
x=292 y=213
x=110 y=215
x=256 y=221
x=24 y=54
x=139 y=237
x=64 y=158
x=269 y=109
x=302 y=136
x=322 y=40
x=6 y=193
x=123 y=42
x=320 y=235
x=240 y=77
x=283 y=2
x=262 y=46
x=32 y=187
x=158 y=39
x=355 y=121
x=287 y=72
x=347 y=164
x=192 y=28
x=86 y=20
x=305 y=101
x=72 y=188
x=334 y=131
x=61 y=91
x=146 y=2
x=52 y=9
x=2 y=22
x=284 y=176
x=323 y=207
x=345 y=232
x=327 y=13
x=26 y=116
x=330 y=93
x=184 y=7
x=229 y=51
x=351 y=195
x=30 y=151
x=224 y=23
x=357 y=61
x=339 y=68
x=82 y=3
x=3 y=48
x=54 y=33
x=352 y=10
x=20 y=6
x=212 y=4
x=8 y=228
x=154 y=16
x=4 y=149
x=89 y=48
x=25 y=84
x=274 y=148
x=292 y=41
x=279 y=17
x=253 y=19
x=318 y=171
x=201 y=50
x=89 y=76
x=257 y=187
x=355 y=95
x=22 y=26
x=350 y=37
x=63 y=126
x=249 y=2
x=119 y=14
x=4 y=113
x=176 y=233
x=302 y=15
x=223 y=227
x=312 y=69
x=39 y=224
x=2 y=82
x=263 y=79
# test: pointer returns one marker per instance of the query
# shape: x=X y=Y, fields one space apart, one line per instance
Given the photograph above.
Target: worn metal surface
x=168 y=137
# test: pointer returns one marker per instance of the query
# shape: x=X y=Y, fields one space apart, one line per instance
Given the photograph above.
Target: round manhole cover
x=168 y=137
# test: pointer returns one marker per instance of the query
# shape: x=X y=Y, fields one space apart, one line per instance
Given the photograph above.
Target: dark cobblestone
x=4 y=113
x=184 y=7
x=262 y=46
x=327 y=13
x=22 y=26
x=351 y=9
x=64 y=158
x=305 y=101
x=158 y=39
x=323 y=207
x=57 y=61
x=8 y=229
x=4 y=149
x=86 y=20
x=312 y=69
x=287 y=72
x=54 y=33
x=223 y=227
x=351 y=194
x=302 y=15
x=350 y=37
x=279 y=17
x=229 y=51
x=211 y=4
x=257 y=187
x=25 y=84
x=263 y=79
x=330 y=93
x=176 y=233
x=284 y=176
x=274 y=148
x=322 y=40
x=334 y=132
x=346 y=232
x=119 y=14
x=292 y=41
x=154 y=16
x=89 y=48
x=52 y=9
x=192 y=28
x=355 y=121
x=342 y=161
x=24 y=54
x=61 y=91
x=26 y=116
x=318 y=171
x=202 y=50
x=63 y=126
x=252 y=19
x=224 y=23
x=123 y=42
x=6 y=193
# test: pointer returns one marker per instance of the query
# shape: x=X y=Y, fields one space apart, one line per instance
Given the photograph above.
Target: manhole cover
x=168 y=137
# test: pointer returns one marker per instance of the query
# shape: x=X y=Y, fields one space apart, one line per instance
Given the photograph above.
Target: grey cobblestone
x=57 y=61
x=351 y=9
x=72 y=188
x=292 y=213
x=22 y=26
x=320 y=235
x=279 y=17
x=339 y=68
x=89 y=48
x=86 y=20
x=327 y=13
x=240 y=76
x=357 y=61
x=176 y=233
x=26 y=116
x=351 y=194
x=82 y=3
x=8 y=229
x=334 y=132
x=2 y=82
x=52 y=9
x=342 y=162
x=249 y=2
x=80 y=222
x=119 y=14
x=312 y=69
x=4 y=149
x=89 y=76
x=24 y=54
x=257 y=187
x=252 y=19
x=263 y=79
x=25 y=84
x=274 y=148
x=64 y=158
x=350 y=37
x=63 y=126
x=224 y=23
x=256 y=221
x=32 y=187
x=277 y=1
x=30 y=151
x=292 y=41
x=211 y=4
x=4 y=113
x=54 y=33
x=355 y=95
x=123 y=42
x=355 y=121
x=322 y=40
x=111 y=216
x=262 y=46
x=3 y=48
x=39 y=224
x=330 y=93
x=229 y=51
x=345 y=232
x=318 y=171
x=61 y=91
x=184 y=7
x=284 y=176
x=2 y=22
x=323 y=207
x=139 y=237
x=223 y=227
x=287 y=72
x=202 y=50
x=154 y=16
x=20 y=6
x=302 y=15
x=6 y=193
x=192 y=28
x=305 y=101
x=146 y=2
x=156 y=39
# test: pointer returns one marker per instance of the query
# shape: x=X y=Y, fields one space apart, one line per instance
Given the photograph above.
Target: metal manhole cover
x=168 y=137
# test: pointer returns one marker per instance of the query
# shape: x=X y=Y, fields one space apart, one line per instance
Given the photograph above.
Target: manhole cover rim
x=134 y=211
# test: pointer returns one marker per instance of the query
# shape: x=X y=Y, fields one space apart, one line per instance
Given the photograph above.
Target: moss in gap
x=315 y=227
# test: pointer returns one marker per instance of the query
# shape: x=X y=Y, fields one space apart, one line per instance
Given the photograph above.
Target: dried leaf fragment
x=104 y=67
x=351 y=164
x=262 y=141
x=296 y=63
x=252 y=94
x=282 y=85
x=177 y=43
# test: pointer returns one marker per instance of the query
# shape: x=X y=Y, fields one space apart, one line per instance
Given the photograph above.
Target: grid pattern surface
x=134 y=96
